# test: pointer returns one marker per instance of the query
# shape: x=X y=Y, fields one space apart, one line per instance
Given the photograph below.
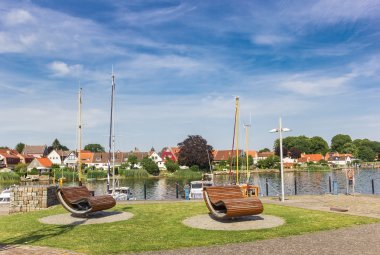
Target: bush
x=9 y=176
x=134 y=173
x=150 y=166
x=34 y=171
x=194 y=168
x=66 y=173
x=187 y=174
x=97 y=174
x=171 y=166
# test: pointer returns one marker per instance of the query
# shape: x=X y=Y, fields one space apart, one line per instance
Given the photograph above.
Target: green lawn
x=158 y=226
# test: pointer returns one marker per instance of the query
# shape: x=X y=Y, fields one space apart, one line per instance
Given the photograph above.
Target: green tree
x=194 y=150
x=20 y=147
x=301 y=142
x=21 y=168
x=350 y=148
x=366 y=154
x=318 y=145
x=338 y=142
x=271 y=162
x=150 y=166
x=94 y=147
x=171 y=166
x=264 y=150
x=132 y=160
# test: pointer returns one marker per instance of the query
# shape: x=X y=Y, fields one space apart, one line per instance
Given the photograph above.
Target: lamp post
x=280 y=130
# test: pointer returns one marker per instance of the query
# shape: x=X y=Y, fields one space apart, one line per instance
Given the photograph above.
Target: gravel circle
x=206 y=221
x=94 y=218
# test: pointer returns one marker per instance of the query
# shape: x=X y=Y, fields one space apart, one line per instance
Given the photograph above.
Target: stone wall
x=32 y=198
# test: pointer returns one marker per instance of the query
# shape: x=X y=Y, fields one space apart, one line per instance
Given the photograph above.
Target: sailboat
x=118 y=193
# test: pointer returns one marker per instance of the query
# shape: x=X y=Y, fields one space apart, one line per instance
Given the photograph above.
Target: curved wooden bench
x=79 y=200
x=226 y=202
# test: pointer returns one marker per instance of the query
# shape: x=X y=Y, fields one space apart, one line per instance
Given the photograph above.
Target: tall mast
x=237 y=139
x=80 y=136
x=111 y=151
x=247 y=126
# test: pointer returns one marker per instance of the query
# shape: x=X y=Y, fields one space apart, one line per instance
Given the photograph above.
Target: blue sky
x=179 y=66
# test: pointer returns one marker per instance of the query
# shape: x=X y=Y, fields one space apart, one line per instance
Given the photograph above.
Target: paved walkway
x=360 y=240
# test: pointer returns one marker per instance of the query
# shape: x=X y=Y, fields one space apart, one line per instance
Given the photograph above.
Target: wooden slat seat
x=79 y=200
x=228 y=202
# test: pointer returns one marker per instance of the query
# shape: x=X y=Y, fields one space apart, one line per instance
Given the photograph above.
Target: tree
x=20 y=147
x=264 y=150
x=194 y=150
x=295 y=153
x=318 y=145
x=171 y=166
x=301 y=142
x=366 y=154
x=338 y=142
x=150 y=166
x=94 y=147
x=56 y=145
x=132 y=160
x=284 y=151
x=271 y=162
x=21 y=168
x=350 y=148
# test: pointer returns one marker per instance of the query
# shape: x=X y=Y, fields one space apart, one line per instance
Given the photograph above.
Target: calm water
x=304 y=182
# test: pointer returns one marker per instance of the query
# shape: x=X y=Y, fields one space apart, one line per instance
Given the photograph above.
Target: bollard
x=295 y=185
x=176 y=189
x=145 y=190
x=373 y=187
x=335 y=188
x=330 y=184
x=266 y=186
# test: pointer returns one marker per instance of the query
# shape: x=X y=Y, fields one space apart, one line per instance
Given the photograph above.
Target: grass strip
x=158 y=226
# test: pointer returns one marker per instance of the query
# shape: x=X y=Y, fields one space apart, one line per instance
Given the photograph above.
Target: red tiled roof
x=220 y=155
x=265 y=154
x=310 y=158
x=45 y=162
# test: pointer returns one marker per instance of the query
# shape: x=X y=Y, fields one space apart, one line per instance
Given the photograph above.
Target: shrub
x=134 y=173
x=194 y=168
x=9 y=176
x=97 y=174
x=171 y=166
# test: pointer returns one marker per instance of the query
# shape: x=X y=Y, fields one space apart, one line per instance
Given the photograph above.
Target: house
x=170 y=153
x=225 y=155
x=341 y=160
x=306 y=158
x=101 y=160
x=8 y=158
x=42 y=164
x=71 y=160
x=58 y=156
x=37 y=151
x=25 y=159
x=157 y=159
x=264 y=155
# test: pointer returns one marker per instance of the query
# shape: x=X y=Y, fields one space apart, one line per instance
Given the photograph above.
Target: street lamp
x=280 y=130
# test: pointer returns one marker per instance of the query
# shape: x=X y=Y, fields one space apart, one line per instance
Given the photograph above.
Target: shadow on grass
x=37 y=235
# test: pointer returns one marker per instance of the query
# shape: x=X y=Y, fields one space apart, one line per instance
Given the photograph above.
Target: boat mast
x=237 y=139
x=111 y=151
x=247 y=126
x=80 y=136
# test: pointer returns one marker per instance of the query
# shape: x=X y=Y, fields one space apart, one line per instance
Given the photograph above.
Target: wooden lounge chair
x=226 y=202
x=79 y=200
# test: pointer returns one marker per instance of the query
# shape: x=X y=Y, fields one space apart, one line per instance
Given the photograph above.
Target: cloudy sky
x=179 y=66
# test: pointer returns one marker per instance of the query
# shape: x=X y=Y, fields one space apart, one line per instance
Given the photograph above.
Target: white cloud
x=17 y=17
x=267 y=39
x=61 y=69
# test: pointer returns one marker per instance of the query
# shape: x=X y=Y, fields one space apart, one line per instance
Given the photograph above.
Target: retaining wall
x=32 y=198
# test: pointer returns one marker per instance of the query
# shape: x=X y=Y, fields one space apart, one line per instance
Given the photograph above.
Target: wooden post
x=176 y=189
x=145 y=190
x=295 y=185
x=266 y=186
x=373 y=186
x=330 y=184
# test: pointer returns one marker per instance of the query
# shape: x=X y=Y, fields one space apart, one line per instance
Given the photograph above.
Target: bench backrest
x=218 y=193
x=72 y=194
